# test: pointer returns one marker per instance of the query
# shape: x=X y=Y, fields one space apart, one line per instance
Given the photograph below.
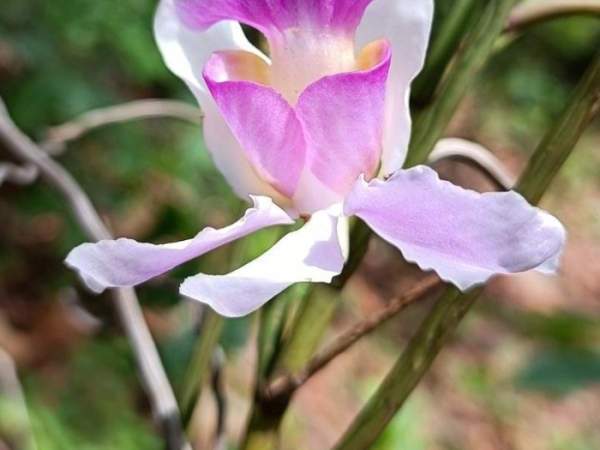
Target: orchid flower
x=318 y=131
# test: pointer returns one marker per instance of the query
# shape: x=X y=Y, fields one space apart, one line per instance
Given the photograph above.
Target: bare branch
x=60 y=135
x=531 y=12
x=285 y=386
x=21 y=175
x=151 y=372
x=461 y=149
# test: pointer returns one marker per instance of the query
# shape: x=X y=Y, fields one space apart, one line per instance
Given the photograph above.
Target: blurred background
x=523 y=371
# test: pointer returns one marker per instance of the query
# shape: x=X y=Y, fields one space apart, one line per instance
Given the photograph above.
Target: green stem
x=408 y=370
x=441 y=50
x=210 y=332
x=274 y=317
x=441 y=322
x=433 y=122
x=303 y=336
x=316 y=311
x=263 y=427
x=314 y=318
x=556 y=146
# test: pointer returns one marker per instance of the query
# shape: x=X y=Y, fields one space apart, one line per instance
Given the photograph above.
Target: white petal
x=185 y=53
x=466 y=237
x=312 y=254
x=406 y=24
x=125 y=262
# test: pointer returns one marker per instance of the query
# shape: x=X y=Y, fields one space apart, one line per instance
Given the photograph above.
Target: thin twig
x=21 y=175
x=58 y=136
x=12 y=398
x=154 y=379
x=531 y=12
x=286 y=385
x=460 y=149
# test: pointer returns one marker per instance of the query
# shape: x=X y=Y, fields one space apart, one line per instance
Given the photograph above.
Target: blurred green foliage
x=94 y=403
x=559 y=371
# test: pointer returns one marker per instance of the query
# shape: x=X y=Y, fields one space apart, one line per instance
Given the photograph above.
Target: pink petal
x=275 y=15
x=464 y=236
x=186 y=52
x=125 y=262
x=342 y=118
x=262 y=121
x=406 y=25
x=312 y=253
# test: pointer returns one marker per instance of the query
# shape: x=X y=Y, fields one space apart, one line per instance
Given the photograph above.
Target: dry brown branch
x=154 y=379
x=60 y=135
x=285 y=386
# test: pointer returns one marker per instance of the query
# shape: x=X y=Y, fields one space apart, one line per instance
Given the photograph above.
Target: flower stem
x=441 y=322
x=556 y=146
x=314 y=318
x=442 y=49
x=433 y=122
x=408 y=370
x=305 y=332
x=276 y=318
x=210 y=332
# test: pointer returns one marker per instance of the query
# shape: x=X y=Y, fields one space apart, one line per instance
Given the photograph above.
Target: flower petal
x=406 y=25
x=312 y=253
x=351 y=106
x=263 y=122
x=275 y=15
x=464 y=236
x=125 y=262
x=185 y=53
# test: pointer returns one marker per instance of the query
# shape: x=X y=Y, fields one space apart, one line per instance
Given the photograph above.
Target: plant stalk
x=441 y=50
x=431 y=125
x=441 y=322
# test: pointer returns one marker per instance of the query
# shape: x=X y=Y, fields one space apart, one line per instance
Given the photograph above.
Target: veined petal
x=262 y=121
x=312 y=253
x=186 y=52
x=125 y=262
x=464 y=236
x=342 y=118
x=275 y=15
x=406 y=25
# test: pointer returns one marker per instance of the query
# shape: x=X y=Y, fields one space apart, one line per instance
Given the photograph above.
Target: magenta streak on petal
x=125 y=262
x=342 y=118
x=264 y=124
x=464 y=236
x=313 y=253
x=270 y=15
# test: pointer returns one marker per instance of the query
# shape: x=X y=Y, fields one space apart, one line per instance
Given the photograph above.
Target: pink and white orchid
x=319 y=130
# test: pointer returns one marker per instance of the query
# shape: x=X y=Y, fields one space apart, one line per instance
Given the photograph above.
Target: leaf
x=558 y=371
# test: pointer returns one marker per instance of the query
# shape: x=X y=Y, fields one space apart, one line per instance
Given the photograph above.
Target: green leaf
x=558 y=371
